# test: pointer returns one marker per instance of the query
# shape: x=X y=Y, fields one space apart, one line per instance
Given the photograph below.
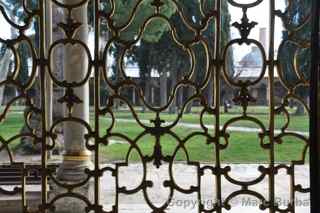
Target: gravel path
x=197 y=126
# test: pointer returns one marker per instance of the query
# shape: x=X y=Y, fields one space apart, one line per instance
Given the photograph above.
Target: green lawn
x=243 y=147
x=297 y=123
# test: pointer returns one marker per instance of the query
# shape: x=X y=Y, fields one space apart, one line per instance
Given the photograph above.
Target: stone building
x=250 y=68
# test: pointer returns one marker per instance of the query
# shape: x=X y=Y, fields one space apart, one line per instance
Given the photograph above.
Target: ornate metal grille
x=215 y=72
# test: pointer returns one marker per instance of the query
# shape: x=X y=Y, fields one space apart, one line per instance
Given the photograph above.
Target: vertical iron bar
x=217 y=67
x=49 y=86
x=96 y=101
x=292 y=190
x=23 y=187
x=271 y=106
x=42 y=72
x=314 y=119
x=199 y=190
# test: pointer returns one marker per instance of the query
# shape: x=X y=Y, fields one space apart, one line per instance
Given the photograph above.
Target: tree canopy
x=294 y=53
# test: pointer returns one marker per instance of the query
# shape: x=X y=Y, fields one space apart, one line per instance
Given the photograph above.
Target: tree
x=5 y=59
x=152 y=33
x=295 y=50
x=165 y=57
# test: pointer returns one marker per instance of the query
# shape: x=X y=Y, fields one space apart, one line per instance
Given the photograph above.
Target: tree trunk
x=163 y=89
x=116 y=101
x=4 y=67
x=180 y=98
x=173 y=106
x=189 y=106
x=147 y=87
x=210 y=93
x=300 y=109
x=180 y=95
x=190 y=92
x=147 y=91
x=118 y=75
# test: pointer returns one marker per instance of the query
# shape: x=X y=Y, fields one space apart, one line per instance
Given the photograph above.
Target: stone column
x=76 y=156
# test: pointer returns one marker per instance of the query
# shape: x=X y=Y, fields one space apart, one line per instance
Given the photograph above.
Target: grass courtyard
x=243 y=147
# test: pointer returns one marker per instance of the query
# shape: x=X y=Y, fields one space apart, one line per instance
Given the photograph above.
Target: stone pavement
x=185 y=176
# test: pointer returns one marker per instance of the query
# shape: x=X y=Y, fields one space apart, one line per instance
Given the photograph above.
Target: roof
x=250 y=66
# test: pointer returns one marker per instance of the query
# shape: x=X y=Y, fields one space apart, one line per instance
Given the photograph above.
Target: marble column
x=76 y=157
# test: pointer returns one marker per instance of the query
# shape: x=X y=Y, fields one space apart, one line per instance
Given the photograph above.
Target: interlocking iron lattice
x=217 y=70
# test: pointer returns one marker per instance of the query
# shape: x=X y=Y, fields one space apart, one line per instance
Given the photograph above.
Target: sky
x=4 y=28
x=258 y=14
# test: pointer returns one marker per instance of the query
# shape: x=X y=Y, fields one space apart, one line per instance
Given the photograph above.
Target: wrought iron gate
x=216 y=72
